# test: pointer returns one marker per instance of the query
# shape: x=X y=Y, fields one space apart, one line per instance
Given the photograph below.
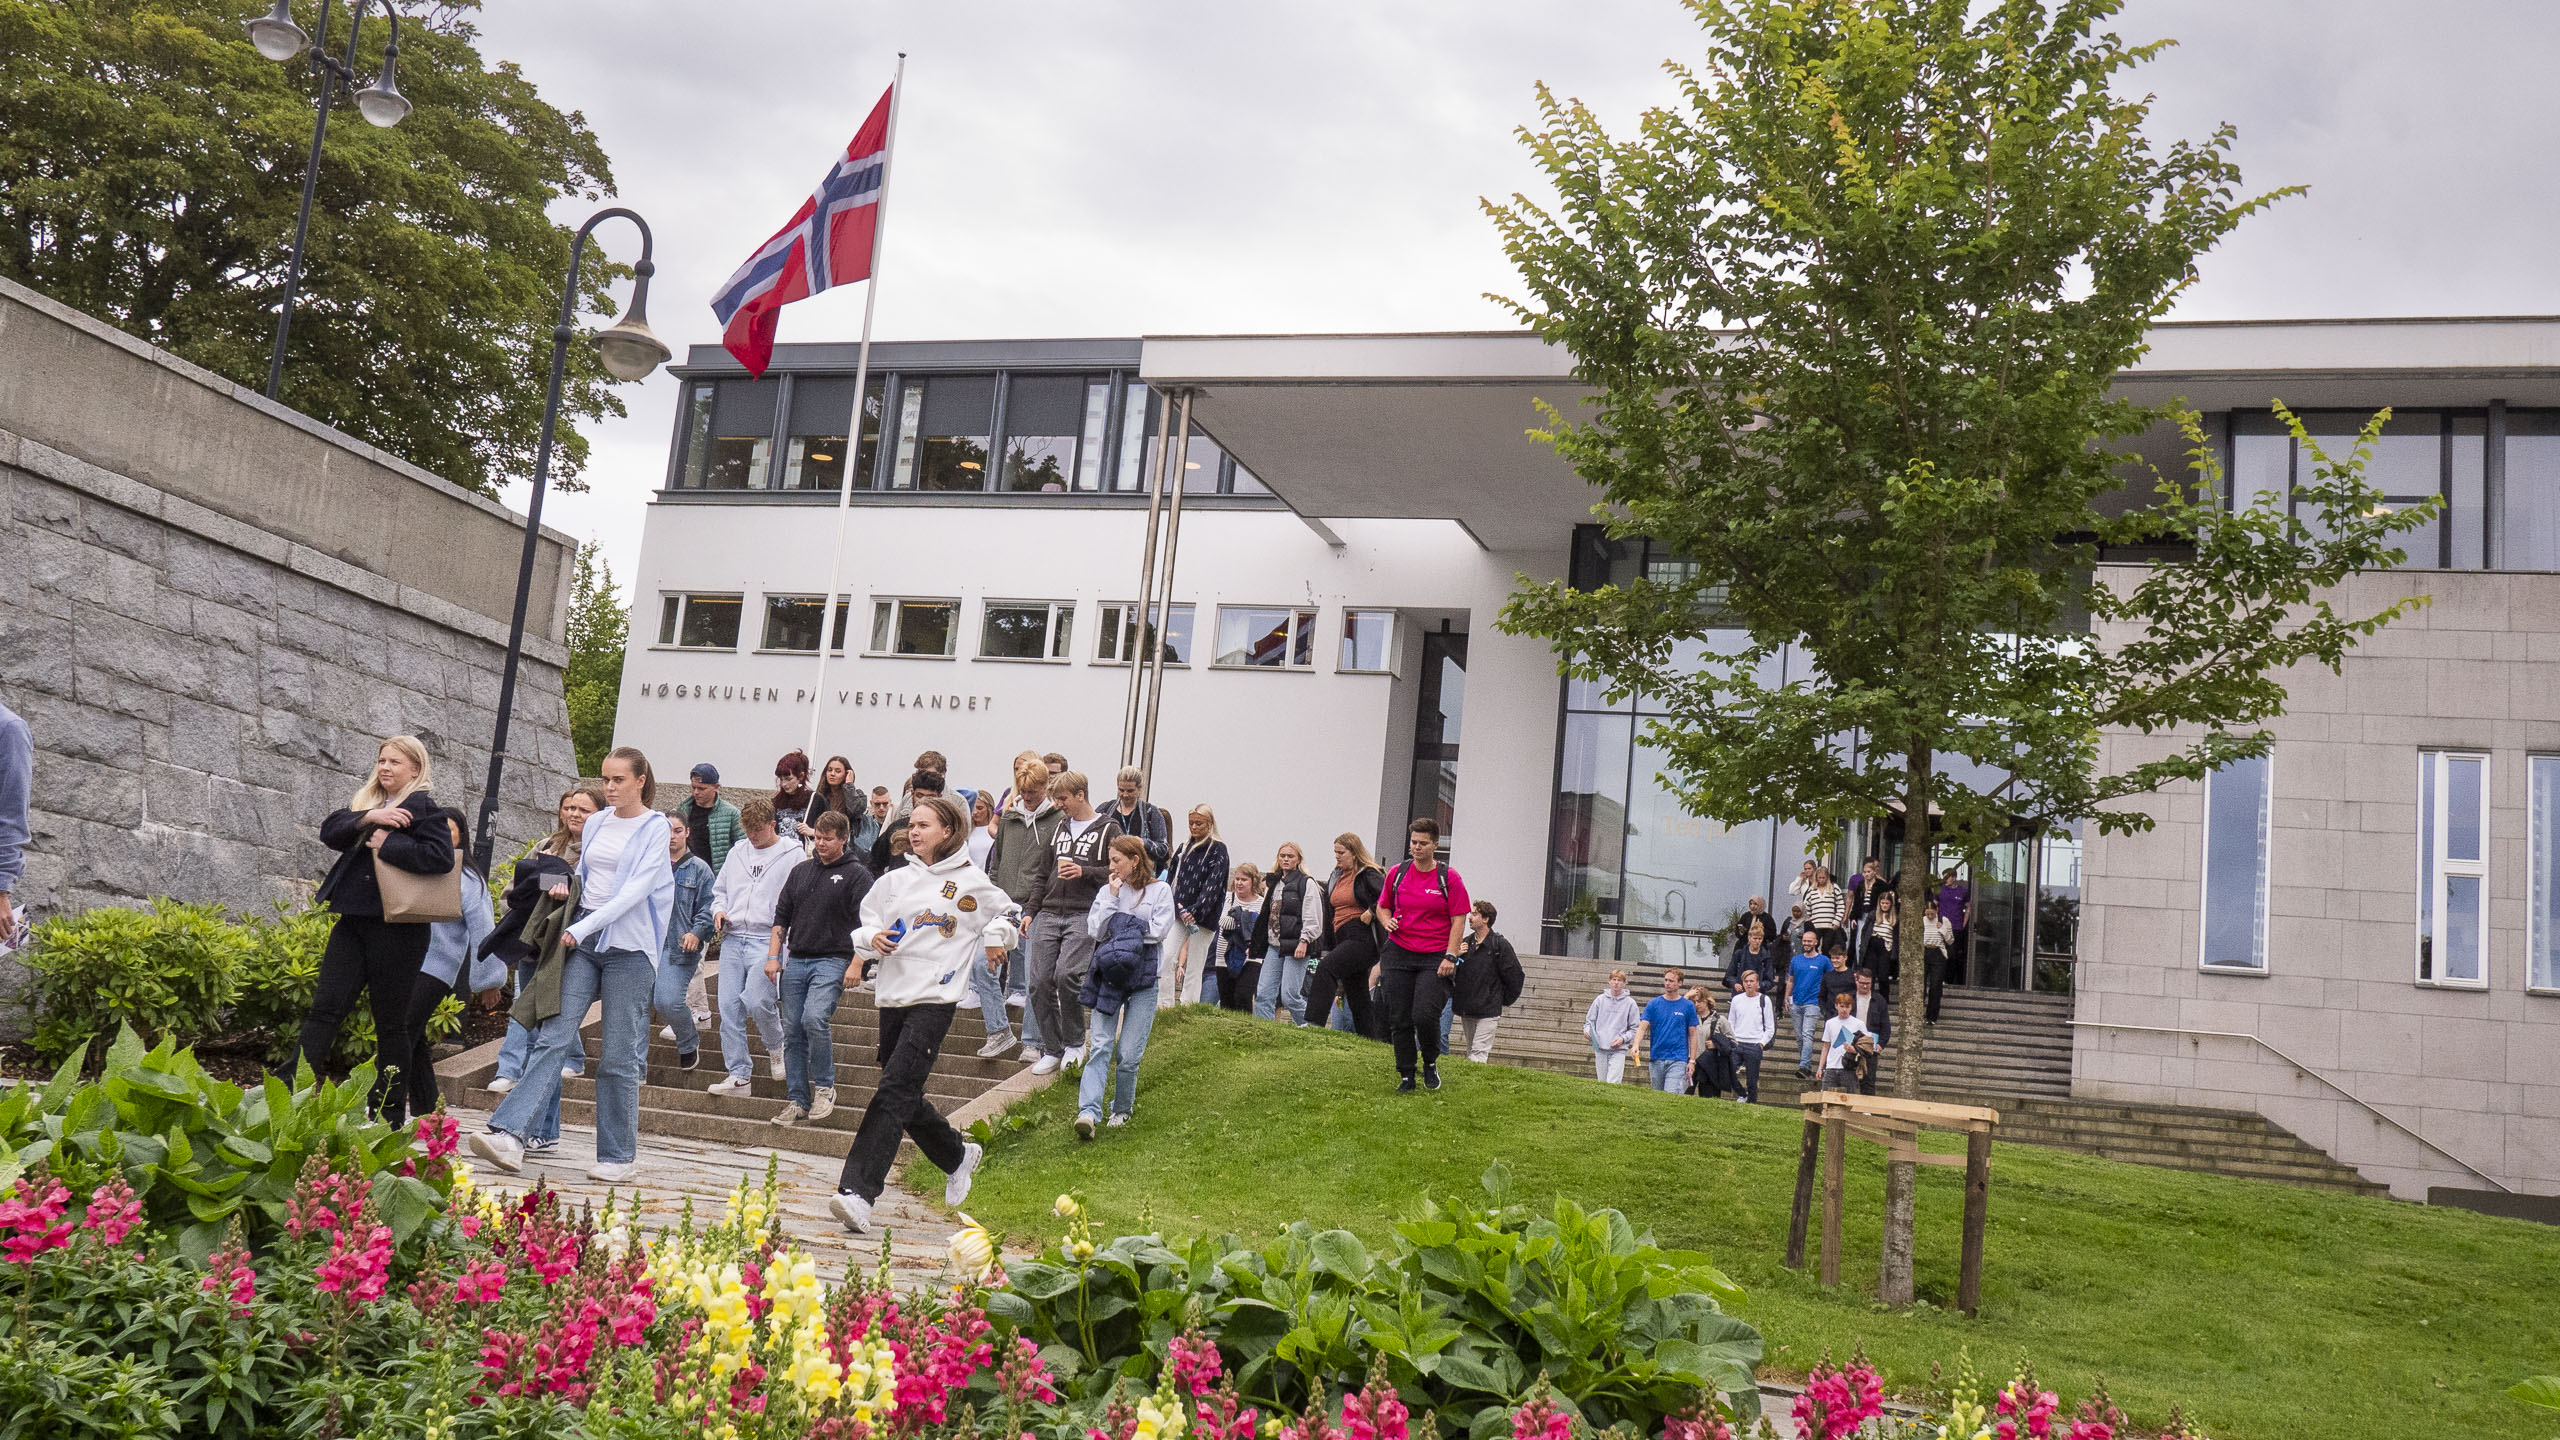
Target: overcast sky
x=1314 y=165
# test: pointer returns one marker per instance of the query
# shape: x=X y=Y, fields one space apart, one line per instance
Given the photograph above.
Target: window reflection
x=728 y=434
x=1044 y=421
x=945 y=425
x=2529 y=518
x=821 y=412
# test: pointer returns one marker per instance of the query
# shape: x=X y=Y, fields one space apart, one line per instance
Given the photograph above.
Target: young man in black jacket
x=811 y=958
x=1489 y=977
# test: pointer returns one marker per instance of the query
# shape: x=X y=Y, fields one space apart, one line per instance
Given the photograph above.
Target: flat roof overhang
x=1434 y=426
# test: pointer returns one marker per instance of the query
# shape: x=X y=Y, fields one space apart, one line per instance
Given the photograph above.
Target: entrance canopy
x=1433 y=426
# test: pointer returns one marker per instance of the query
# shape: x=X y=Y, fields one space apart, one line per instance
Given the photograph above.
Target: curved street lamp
x=380 y=103
x=630 y=351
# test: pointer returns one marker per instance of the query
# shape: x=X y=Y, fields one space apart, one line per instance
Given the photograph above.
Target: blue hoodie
x=1804 y=976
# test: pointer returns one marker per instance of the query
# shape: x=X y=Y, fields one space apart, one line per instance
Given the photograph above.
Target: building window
x=1027 y=630
x=1438 y=717
x=1251 y=638
x=814 y=457
x=2453 y=868
x=2528 y=523
x=945 y=425
x=791 y=623
x=2542 y=919
x=728 y=440
x=1365 y=634
x=1205 y=469
x=1119 y=640
x=2237 y=805
x=700 y=622
x=914 y=627
x=1053 y=431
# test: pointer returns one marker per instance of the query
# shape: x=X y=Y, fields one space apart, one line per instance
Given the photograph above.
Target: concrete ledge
x=1001 y=1095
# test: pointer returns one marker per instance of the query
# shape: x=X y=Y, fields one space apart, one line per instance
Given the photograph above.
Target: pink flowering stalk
x=228 y=1275
x=31 y=1218
x=1193 y=1358
x=1224 y=1416
x=322 y=1200
x=2022 y=1408
x=2099 y=1419
x=358 y=1266
x=438 y=1135
x=113 y=1211
x=1025 y=1377
x=480 y=1282
x=1375 y=1413
x=1698 y=1423
x=1839 y=1399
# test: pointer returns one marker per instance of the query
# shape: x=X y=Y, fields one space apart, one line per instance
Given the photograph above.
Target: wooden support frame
x=1832 y=1116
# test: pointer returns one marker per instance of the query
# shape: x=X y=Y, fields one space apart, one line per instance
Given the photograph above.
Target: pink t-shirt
x=1423 y=914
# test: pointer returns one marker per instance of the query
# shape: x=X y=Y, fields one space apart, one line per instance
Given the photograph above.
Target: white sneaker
x=701 y=1019
x=1045 y=1065
x=1013 y=1002
x=956 y=1189
x=611 y=1172
x=822 y=1102
x=1116 y=1121
x=996 y=1045
x=775 y=1066
x=851 y=1209
x=570 y=1072
x=791 y=1114
x=732 y=1086
x=500 y=1149
x=499 y=1086
x=1030 y=1051
x=1074 y=1056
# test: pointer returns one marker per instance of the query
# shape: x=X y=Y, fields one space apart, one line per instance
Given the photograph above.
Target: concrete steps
x=675 y=1101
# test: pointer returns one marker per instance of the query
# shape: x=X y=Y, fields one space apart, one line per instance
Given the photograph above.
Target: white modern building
x=2360 y=939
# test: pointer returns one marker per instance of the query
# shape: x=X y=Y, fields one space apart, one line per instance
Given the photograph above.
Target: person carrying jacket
x=391 y=821
x=1288 y=935
x=1488 y=979
x=1117 y=1040
x=1350 y=938
x=1022 y=860
x=809 y=958
x=742 y=906
x=930 y=921
x=689 y=930
x=1198 y=874
x=1232 y=964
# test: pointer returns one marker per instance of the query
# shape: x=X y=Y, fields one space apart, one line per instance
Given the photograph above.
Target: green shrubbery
x=196 y=974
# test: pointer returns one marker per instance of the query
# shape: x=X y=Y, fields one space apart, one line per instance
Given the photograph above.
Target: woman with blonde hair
x=1198 y=876
x=554 y=859
x=1231 y=963
x=1350 y=937
x=389 y=821
x=1289 y=936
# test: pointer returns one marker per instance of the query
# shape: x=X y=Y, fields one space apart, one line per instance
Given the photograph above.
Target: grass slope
x=2270 y=1313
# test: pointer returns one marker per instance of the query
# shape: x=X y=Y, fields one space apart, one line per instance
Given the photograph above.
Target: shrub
x=169 y=970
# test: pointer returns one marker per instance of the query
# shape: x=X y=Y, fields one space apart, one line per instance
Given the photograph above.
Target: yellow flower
x=1159 y=1423
x=463 y=1185
x=1082 y=1250
x=973 y=1251
x=1066 y=1207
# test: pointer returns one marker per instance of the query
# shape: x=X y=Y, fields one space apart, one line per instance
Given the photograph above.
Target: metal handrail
x=2272 y=1049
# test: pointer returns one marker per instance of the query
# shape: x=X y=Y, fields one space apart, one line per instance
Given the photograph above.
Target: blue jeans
x=1671 y=1075
x=744 y=993
x=518 y=1047
x=1448 y=1014
x=1283 y=982
x=1340 y=1019
x=1113 y=1046
x=675 y=976
x=622 y=979
x=1209 y=982
x=1808 y=1030
x=811 y=986
x=990 y=988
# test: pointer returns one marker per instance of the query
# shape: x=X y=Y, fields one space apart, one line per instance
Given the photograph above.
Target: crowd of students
x=1066 y=925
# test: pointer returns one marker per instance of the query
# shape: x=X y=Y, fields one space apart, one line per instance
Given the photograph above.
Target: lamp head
x=275 y=35
x=630 y=349
x=381 y=102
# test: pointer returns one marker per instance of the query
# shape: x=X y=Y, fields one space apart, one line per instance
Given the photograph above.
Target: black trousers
x=417 y=1057
x=1746 y=1071
x=1236 y=985
x=1345 y=968
x=1415 y=994
x=380 y=959
x=910 y=1041
x=1936 y=967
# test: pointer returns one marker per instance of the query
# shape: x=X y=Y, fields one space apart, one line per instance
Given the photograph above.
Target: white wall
x=1279 y=756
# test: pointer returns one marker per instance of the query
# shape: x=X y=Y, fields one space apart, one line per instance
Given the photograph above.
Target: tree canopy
x=150 y=165
x=592 y=686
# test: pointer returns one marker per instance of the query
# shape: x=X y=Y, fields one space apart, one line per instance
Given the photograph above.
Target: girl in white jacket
x=929 y=921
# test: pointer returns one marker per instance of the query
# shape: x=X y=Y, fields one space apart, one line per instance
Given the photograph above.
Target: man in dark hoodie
x=1489 y=977
x=811 y=958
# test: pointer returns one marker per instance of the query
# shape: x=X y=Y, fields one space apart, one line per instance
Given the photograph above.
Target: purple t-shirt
x=1951 y=900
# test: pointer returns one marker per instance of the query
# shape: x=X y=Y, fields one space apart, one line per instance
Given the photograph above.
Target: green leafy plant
x=277 y=980
x=2542 y=1390
x=1469 y=1307
x=164 y=971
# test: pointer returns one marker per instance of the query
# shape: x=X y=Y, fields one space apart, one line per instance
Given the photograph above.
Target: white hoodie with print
x=952 y=913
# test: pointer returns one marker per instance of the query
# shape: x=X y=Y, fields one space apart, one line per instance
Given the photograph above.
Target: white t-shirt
x=607 y=836
x=1839 y=1033
x=981 y=841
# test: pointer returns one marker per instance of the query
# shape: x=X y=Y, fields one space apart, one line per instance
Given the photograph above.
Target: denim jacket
x=690 y=915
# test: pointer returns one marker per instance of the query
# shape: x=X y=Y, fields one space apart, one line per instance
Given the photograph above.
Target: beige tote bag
x=414 y=899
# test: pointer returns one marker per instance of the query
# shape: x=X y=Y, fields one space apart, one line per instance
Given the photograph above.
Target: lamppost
x=381 y=103
x=629 y=352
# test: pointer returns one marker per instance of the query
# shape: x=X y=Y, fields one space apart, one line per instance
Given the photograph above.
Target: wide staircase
x=675 y=1101
x=2006 y=1049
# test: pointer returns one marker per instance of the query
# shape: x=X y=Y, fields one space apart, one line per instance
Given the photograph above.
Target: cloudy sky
x=1118 y=168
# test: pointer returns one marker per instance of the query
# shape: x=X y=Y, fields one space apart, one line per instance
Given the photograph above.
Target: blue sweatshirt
x=1804 y=976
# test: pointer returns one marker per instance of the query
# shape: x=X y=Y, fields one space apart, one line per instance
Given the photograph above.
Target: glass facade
x=2237 y=807
x=1253 y=638
x=2542 y=882
x=2497 y=473
x=2453 y=868
x=1440 y=716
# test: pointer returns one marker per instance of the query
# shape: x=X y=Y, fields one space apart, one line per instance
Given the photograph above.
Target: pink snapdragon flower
x=114 y=1210
x=1194 y=1361
x=33 y=1226
x=480 y=1282
x=438 y=1135
x=227 y=1274
x=1837 y=1400
x=359 y=1268
x=2022 y=1404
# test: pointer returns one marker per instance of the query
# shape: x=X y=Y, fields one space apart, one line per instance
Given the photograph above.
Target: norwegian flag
x=827 y=243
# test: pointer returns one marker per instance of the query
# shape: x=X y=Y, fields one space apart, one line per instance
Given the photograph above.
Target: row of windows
x=1018 y=431
x=2497 y=472
x=1249 y=637
x=2451 y=940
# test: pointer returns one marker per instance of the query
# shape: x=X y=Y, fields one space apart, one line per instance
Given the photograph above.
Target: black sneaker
x=688 y=1059
x=1430 y=1077
x=1405 y=1086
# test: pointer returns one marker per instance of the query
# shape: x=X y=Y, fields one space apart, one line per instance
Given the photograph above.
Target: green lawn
x=2271 y=1313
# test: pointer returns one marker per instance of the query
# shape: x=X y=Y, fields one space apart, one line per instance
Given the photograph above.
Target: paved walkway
x=671 y=1170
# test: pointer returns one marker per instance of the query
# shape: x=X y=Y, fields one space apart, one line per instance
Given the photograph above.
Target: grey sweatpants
x=1061 y=952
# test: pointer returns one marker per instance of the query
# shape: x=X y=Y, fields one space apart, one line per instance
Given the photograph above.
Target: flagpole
x=861 y=390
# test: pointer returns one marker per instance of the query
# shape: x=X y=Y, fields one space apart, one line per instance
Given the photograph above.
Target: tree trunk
x=1910 y=1003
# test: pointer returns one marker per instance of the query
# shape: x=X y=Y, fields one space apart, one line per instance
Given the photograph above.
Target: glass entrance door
x=2002 y=918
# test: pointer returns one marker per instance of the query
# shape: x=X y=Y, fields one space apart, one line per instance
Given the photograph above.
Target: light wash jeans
x=811 y=986
x=1671 y=1075
x=518 y=1047
x=1808 y=1030
x=1609 y=1065
x=1209 y=984
x=1283 y=982
x=675 y=977
x=1340 y=1019
x=1113 y=1046
x=990 y=988
x=1448 y=1017
x=744 y=992
x=622 y=980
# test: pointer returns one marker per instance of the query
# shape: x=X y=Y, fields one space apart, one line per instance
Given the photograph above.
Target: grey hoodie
x=1023 y=860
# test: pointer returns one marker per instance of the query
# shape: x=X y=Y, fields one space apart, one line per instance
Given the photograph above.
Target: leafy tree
x=598 y=625
x=150 y=165
x=1852 y=314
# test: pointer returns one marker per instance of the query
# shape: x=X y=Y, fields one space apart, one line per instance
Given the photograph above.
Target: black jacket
x=1488 y=978
x=1091 y=851
x=534 y=874
x=820 y=907
x=425 y=847
x=1366 y=887
x=1769 y=962
x=1879 y=1016
x=1153 y=827
x=1293 y=909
